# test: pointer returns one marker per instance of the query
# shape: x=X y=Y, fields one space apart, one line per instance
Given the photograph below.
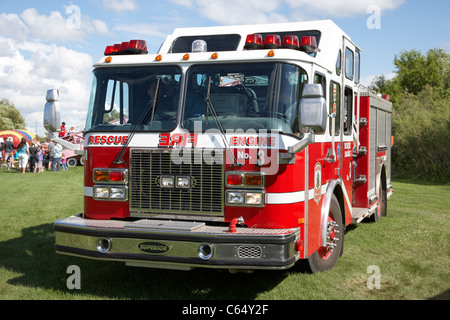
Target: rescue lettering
x=177 y=139
x=108 y=140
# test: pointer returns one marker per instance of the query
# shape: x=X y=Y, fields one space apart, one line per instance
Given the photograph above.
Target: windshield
x=244 y=96
x=121 y=97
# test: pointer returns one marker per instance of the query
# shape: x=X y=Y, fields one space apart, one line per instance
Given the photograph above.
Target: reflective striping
x=88 y=191
x=292 y=197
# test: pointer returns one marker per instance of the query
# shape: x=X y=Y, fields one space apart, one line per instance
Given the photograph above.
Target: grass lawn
x=410 y=248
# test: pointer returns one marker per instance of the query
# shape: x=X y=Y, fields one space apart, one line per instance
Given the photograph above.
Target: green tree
x=10 y=117
x=415 y=71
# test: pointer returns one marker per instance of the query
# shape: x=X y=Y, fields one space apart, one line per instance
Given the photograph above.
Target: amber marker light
x=158 y=57
x=215 y=55
x=101 y=175
x=271 y=53
x=108 y=59
x=186 y=56
x=253 y=180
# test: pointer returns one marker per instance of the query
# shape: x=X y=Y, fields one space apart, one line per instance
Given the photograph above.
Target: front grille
x=246 y=252
x=204 y=197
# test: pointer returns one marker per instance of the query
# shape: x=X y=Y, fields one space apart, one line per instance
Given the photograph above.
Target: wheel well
x=340 y=197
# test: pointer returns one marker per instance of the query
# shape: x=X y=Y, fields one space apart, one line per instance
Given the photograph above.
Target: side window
x=349 y=63
x=335 y=106
x=357 y=68
x=348 y=110
x=116 y=103
x=318 y=78
x=338 y=64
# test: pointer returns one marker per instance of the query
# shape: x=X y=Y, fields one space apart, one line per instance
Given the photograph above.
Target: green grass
x=410 y=246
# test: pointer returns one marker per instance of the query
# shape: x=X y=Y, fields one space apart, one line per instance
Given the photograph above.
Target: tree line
x=420 y=93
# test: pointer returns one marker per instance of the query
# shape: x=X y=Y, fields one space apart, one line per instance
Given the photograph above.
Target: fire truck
x=233 y=147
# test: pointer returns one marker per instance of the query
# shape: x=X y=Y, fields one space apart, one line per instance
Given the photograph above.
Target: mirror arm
x=298 y=147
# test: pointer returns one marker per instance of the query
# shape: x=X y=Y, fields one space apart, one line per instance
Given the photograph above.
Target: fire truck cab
x=233 y=147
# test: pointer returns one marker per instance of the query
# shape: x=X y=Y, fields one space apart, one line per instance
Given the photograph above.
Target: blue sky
x=38 y=50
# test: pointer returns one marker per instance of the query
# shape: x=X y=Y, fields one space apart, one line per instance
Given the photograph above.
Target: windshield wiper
x=144 y=116
x=209 y=105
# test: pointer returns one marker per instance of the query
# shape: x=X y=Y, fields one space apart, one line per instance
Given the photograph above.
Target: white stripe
x=88 y=191
x=285 y=197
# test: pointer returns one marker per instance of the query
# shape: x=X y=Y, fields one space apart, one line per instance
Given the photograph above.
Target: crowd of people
x=34 y=156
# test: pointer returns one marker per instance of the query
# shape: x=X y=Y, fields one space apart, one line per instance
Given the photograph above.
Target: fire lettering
x=177 y=139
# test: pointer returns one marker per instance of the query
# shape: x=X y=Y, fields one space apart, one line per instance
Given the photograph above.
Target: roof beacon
x=199 y=46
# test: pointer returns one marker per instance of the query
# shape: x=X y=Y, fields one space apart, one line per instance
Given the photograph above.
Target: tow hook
x=234 y=222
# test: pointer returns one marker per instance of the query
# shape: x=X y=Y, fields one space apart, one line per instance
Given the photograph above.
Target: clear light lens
x=102 y=193
x=117 y=193
x=235 y=197
x=183 y=182
x=167 y=182
x=254 y=198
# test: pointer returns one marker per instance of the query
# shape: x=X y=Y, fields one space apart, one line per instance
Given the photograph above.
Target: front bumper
x=176 y=244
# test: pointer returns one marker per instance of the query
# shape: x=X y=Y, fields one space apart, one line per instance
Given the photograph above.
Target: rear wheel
x=327 y=256
x=72 y=162
x=382 y=202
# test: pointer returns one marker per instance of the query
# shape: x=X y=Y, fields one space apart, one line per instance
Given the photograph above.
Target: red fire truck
x=237 y=147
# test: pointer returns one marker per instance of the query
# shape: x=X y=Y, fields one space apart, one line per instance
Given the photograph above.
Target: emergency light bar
x=307 y=44
x=131 y=47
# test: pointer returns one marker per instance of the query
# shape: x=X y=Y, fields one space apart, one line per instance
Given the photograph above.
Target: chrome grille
x=146 y=195
x=246 y=252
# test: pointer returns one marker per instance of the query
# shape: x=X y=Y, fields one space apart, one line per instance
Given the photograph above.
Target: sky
x=53 y=44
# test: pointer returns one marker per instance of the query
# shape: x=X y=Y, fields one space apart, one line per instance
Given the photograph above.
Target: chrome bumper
x=176 y=244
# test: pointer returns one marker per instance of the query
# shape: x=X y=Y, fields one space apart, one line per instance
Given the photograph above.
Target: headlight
x=183 y=182
x=167 y=181
x=245 y=198
x=235 y=197
x=254 y=198
x=117 y=193
x=113 y=193
x=101 y=193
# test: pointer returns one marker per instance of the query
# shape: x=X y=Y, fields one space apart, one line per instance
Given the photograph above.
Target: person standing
x=62 y=130
x=23 y=153
x=64 y=162
x=40 y=156
x=57 y=155
x=33 y=156
x=8 y=146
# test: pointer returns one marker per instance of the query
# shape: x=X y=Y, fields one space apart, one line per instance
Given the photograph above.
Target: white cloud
x=270 y=11
x=29 y=69
x=54 y=27
x=120 y=6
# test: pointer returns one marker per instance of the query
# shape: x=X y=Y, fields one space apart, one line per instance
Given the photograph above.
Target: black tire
x=326 y=258
x=72 y=162
x=381 y=210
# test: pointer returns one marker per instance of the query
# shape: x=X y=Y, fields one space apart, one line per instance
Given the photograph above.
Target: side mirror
x=313 y=110
x=51 y=111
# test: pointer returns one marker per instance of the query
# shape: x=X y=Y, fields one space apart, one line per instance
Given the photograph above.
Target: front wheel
x=327 y=256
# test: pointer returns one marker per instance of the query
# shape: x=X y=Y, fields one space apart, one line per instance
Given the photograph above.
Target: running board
x=358 y=214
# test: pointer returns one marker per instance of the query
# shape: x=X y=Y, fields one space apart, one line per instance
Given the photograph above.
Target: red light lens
x=272 y=41
x=253 y=41
x=254 y=38
x=234 y=179
x=137 y=46
x=308 y=44
x=309 y=41
x=117 y=176
x=290 y=42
